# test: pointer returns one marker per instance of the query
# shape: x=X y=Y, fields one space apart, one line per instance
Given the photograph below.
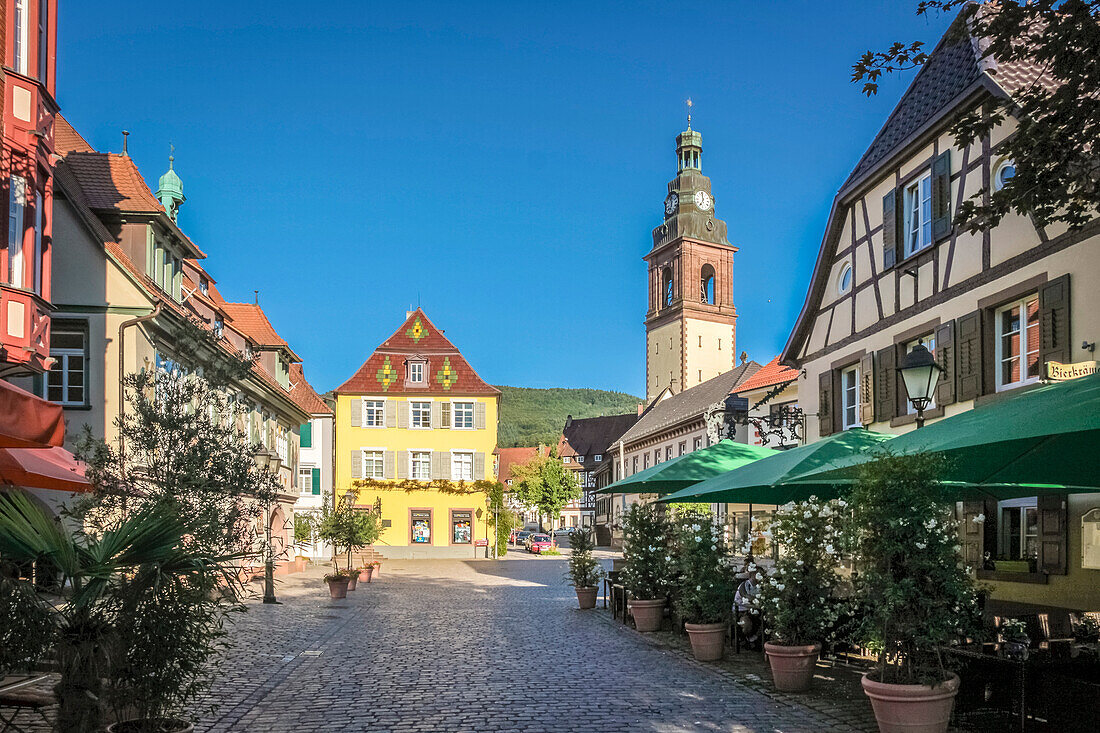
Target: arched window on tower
x=666 y=285
x=706 y=285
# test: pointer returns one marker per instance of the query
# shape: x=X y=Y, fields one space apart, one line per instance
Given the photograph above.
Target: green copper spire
x=170 y=187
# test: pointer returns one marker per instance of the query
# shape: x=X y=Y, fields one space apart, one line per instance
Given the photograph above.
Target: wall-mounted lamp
x=1089 y=347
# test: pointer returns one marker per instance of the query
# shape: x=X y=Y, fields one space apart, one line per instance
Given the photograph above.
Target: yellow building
x=416 y=428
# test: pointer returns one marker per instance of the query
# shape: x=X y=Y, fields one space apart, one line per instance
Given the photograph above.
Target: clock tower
x=691 y=321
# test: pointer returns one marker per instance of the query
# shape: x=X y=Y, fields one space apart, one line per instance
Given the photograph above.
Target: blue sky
x=501 y=163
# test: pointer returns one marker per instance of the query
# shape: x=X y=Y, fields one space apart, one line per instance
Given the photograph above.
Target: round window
x=1006 y=169
x=844 y=282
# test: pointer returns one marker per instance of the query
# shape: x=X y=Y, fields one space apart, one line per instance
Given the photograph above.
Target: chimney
x=408 y=314
x=568 y=420
x=641 y=408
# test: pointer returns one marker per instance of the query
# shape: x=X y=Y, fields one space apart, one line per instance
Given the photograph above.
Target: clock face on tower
x=671 y=203
x=703 y=201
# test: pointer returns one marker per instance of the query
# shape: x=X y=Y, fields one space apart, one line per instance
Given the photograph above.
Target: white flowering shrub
x=914 y=593
x=705 y=584
x=798 y=599
x=647 y=557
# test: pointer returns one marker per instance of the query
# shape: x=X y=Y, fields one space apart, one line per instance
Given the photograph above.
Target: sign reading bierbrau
x=1058 y=372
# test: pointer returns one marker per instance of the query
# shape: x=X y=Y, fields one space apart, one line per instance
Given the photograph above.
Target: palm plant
x=90 y=626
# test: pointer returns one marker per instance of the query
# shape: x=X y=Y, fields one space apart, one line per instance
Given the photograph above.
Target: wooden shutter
x=891 y=232
x=437 y=414
x=479 y=415
x=972 y=533
x=402 y=464
x=1052 y=534
x=479 y=466
x=402 y=414
x=945 y=355
x=315 y=480
x=305 y=435
x=941 y=196
x=356 y=412
x=968 y=356
x=1054 y=322
x=867 y=389
x=886 y=383
x=441 y=468
x=825 y=403
x=445 y=415
x=391 y=413
x=357 y=464
x=387 y=465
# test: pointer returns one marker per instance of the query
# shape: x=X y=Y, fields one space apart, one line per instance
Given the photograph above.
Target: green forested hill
x=531 y=416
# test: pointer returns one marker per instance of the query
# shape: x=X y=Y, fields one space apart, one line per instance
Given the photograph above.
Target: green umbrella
x=1044 y=440
x=771 y=480
x=690 y=468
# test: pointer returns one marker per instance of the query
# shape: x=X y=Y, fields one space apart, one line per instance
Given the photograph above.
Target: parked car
x=519 y=536
x=536 y=543
x=560 y=531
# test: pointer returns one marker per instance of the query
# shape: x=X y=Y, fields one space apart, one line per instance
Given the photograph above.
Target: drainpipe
x=122 y=371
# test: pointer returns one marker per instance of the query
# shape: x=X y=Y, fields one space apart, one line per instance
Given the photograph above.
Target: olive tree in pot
x=646 y=564
x=797 y=598
x=348 y=528
x=584 y=570
x=916 y=595
x=705 y=584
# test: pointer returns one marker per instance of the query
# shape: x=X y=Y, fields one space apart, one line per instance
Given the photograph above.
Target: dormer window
x=204 y=286
x=416 y=372
x=219 y=326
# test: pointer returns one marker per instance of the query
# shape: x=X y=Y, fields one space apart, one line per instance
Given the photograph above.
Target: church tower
x=691 y=321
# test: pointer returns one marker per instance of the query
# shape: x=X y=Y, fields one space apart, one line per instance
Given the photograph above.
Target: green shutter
x=305 y=434
x=316 y=482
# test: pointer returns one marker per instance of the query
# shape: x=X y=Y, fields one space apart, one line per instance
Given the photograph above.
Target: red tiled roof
x=770 y=374
x=447 y=371
x=66 y=139
x=304 y=395
x=508 y=457
x=249 y=319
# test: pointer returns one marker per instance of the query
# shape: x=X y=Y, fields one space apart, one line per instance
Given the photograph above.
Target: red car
x=539 y=542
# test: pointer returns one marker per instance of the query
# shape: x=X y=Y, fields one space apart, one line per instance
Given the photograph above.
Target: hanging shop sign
x=1058 y=372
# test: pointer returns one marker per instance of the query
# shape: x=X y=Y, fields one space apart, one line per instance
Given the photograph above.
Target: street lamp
x=264 y=459
x=920 y=373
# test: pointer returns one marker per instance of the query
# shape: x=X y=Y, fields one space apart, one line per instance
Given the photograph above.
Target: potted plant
x=705 y=585
x=348 y=528
x=1016 y=640
x=353 y=578
x=584 y=570
x=797 y=598
x=915 y=595
x=367 y=570
x=646 y=564
x=377 y=565
x=338 y=581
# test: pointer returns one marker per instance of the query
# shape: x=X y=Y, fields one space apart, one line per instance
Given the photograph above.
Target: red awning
x=42 y=468
x=27 y=421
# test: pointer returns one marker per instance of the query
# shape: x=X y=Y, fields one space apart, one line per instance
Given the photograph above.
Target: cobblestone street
x=472 y=646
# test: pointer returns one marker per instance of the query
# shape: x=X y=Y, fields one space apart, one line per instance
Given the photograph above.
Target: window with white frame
x=20 y=41
x=1016 y=343
x=374 y=465
x=918 y=214
x=281 y=443
x=462 y=415
x=697 y=444
x=598 y=458
x=566 y=459
x=374 y=413
x=462 y=465
x=420 y=465
x=844 y=280
x=1003 y=173
x=17 y=205
x=66 y=380
x=420 y=414
x=849 y=398
x=1018 y=528
x=305 y=480
x=929 y=342
x=580 y=459
x=416 y=372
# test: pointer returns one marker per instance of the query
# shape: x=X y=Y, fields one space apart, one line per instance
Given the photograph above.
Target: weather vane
x=690 y=104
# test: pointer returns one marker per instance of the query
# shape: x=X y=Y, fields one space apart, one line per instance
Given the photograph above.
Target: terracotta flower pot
x=708 y=641
x=792 y=666
x=353 y=580
x=338 y=588
x=586 y=596
x=648 y=614
x=166 y=725
x=369 y=571
x=912 y=708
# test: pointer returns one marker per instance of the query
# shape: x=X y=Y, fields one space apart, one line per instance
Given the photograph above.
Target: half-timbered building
x=995 y=307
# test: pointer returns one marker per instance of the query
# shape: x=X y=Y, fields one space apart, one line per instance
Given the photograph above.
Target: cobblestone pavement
x=475 y=646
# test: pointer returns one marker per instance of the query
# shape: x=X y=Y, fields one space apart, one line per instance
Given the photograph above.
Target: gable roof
x=66 y=139
x=769 y=375
x=508 y=457
x=689 y=404
x=588 y=436
x=304 y=395
x=954 y=73
x=250 y=319
x=448 y=370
